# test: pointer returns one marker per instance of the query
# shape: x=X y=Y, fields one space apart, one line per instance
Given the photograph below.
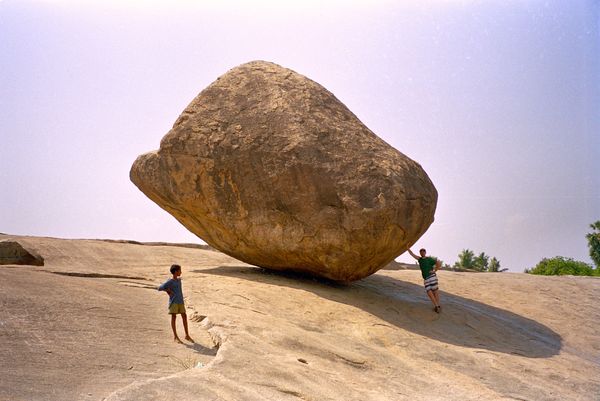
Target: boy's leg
x=175 y=338
x=432 y=297
x=185 y=327
x=436 y=295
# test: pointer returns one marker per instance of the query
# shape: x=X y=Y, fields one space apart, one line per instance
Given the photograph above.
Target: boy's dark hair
x=423 y=249
x=174 y=268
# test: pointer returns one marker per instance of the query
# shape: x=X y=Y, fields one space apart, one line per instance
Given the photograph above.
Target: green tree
x=466 y=259
x=481 y=262
x=560 y=265
x=494 y=265
x=594 y=243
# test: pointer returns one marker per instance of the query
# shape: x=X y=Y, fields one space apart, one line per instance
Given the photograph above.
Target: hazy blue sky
x=498 y=100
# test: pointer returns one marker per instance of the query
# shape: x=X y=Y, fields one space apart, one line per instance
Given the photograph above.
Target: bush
x=560 y=266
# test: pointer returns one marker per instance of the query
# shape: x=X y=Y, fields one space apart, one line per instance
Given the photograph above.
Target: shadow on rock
x=201 y=349
x=463 y=322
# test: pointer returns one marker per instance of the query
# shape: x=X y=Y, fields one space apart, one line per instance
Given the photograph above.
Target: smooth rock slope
x=90 y=325
x=269 y=167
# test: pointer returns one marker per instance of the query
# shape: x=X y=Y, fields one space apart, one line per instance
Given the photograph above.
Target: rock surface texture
x=269 y=167
x=279 y=337
x=13 y=253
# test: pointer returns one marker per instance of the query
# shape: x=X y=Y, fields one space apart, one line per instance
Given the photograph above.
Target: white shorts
x=431 y=282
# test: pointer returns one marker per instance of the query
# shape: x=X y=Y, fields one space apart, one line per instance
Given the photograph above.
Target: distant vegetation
x=560 y=265
x=467 y=260
x=594 y=243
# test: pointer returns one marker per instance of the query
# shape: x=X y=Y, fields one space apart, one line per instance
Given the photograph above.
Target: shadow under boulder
x=13 y=253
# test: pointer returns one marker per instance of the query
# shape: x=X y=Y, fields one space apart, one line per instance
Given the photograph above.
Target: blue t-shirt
x=176 y=296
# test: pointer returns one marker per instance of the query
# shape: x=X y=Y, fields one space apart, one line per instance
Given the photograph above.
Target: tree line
x=560 y=265
x=468 y=261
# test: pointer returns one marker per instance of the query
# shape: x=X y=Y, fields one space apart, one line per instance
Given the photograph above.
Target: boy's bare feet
x=190 y=339
x=177 y=340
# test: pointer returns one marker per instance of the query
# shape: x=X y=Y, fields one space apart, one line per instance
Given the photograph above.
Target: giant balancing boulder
x=271 y=168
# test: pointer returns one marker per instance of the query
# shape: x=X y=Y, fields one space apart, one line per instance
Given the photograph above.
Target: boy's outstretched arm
x=412 y=254
x=163 y=287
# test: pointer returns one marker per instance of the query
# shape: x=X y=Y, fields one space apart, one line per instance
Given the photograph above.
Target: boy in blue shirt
x=176 y=305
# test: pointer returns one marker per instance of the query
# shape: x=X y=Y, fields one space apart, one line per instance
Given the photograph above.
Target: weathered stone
x=270 y=168
x=13 y=253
